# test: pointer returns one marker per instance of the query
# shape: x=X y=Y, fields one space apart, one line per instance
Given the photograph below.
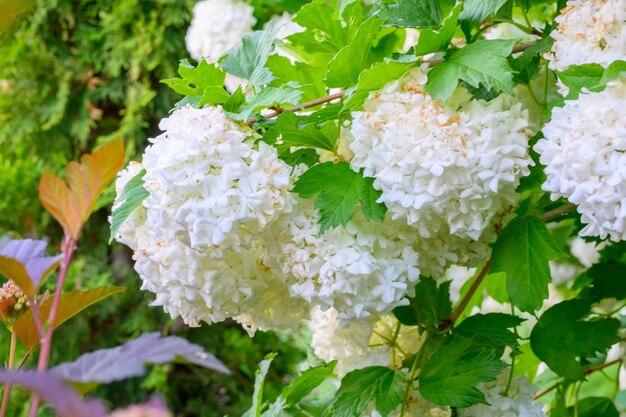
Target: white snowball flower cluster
x=584 y=152
x=198 y=240
x=589 y=31
x=217 y=26
x=518 y=401
x=360 y=344
x=362 y=269
x=443 y=169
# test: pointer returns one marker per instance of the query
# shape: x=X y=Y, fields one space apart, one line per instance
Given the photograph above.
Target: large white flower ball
x=444 y=169
x=584 y=152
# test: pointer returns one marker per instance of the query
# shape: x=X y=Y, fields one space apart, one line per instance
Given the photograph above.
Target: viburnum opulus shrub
x=408 y=198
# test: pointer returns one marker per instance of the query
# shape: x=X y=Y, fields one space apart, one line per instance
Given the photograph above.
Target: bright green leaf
x=306 y=382
x=476 y=11
x=450 y=375
x=259 y=382
x=411 y=13
x=522 y=251
x=310 y=78
x=383 y=386
x=132 y=196
x=592 y=77
x=247 y=60
x=338 y=191
x=288 y=94
x=435 y=40
x=561 y=336
x=491 y=329
x=292 y=134
x=482 y=62
x=205 y=81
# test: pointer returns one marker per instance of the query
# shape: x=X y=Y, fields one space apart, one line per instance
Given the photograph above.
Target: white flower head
x=441 y=169
x=584 y=152
x=217 y=26
x=589 y=31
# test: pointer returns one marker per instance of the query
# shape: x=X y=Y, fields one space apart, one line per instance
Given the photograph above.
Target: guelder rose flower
x=518 y=401
x=584 y=152
x=589 y=31
x=217 y=26
x=198 y=239
x=442 y=169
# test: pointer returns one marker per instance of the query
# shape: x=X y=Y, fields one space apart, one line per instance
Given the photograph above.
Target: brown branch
x=586 y=372
x=306 y=105
x=559 y=211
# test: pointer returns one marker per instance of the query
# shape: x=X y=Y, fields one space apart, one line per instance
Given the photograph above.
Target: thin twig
x=306 y=105
x=559 y=211
x=586 y=372
x=7 y=389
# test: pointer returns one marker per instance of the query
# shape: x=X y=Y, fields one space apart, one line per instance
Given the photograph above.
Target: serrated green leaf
x=310 y=78
x=306 y=382
x=561 y=336
x=475 y=11
x=247 y=60
x=286 y=95
x=383 y=386
x=491 y=329
x=435 y=40
x=522 y=251
x=429 y=307
x=345 y=67
x=482 y=62
x=592 y=77
x=319 y=16
x=132 y=196
x=527 y=63
x=287 y=127
x=205 y=81
x=450 y=375
x=411 y=13
x=259 y=382
x=338 y=191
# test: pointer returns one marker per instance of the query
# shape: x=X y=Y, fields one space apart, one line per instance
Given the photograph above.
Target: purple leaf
x=52 y=390
x=26 y=263
x=128 y=360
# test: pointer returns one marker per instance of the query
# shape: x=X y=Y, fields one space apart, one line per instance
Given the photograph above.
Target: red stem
x=46 y=341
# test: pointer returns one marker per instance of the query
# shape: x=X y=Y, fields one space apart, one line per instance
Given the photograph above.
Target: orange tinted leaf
x=71 y=204
x=70 y=304
x=14 y=270
x=26 y=263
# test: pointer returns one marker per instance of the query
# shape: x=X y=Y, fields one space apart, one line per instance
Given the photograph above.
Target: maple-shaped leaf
x=71 y=203
x=26 y=263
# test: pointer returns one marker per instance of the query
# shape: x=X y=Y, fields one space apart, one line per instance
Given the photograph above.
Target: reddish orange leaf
x=70 y=304
x=71 y=203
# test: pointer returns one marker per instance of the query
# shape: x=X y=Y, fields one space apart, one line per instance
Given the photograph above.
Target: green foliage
x=491 y=329
x=205 y=83
x=450 y=376
x=475 y=11
x=594 y=407
x=561 y=336
x=382 y=386
x=438 y=39
x=429 y=307
x=132 y=196
x=287 y=94
x=259 y=381
x=592 y=77
x=523 y=250
x=247 y=60
x=288 y=128
x=411 y=13
x=482 y=62
x=338 y=191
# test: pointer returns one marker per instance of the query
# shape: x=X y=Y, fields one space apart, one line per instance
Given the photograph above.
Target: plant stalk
x=7 y=389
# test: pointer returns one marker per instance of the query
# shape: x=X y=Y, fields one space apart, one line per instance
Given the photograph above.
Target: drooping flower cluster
x=584 y=152
x=217 y=26
x=589 y=31
x=506 y=400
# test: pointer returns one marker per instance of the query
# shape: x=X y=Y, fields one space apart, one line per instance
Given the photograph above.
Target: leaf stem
x=586 y=372
x=449 y=322
x=7 y=389
x=409 y=384
x=69 y=245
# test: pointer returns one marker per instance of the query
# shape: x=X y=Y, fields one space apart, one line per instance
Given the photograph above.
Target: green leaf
x=205 y=81
x=450 y=376
x=491 y=329
x=306 y=382
x=259 y=382
x=70 y=304
x=321 y=17
x=435 y=40
x=411 y=13
x=607 y=281
x=345 y=67
x=475 y=11
x=248 y=59
x=338 y=191
x=286 y=95
x=373 y=79
x=560 y=336
x=522 y=251
x=429 y=307
x=132 y=196
x=310 y=78
x=358 y=388
x=592 y=77
x=287 y=127
x=527 y=63
x=482 y=62
x=594 y=407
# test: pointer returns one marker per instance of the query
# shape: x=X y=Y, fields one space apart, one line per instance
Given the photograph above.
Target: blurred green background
x=73 y=74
